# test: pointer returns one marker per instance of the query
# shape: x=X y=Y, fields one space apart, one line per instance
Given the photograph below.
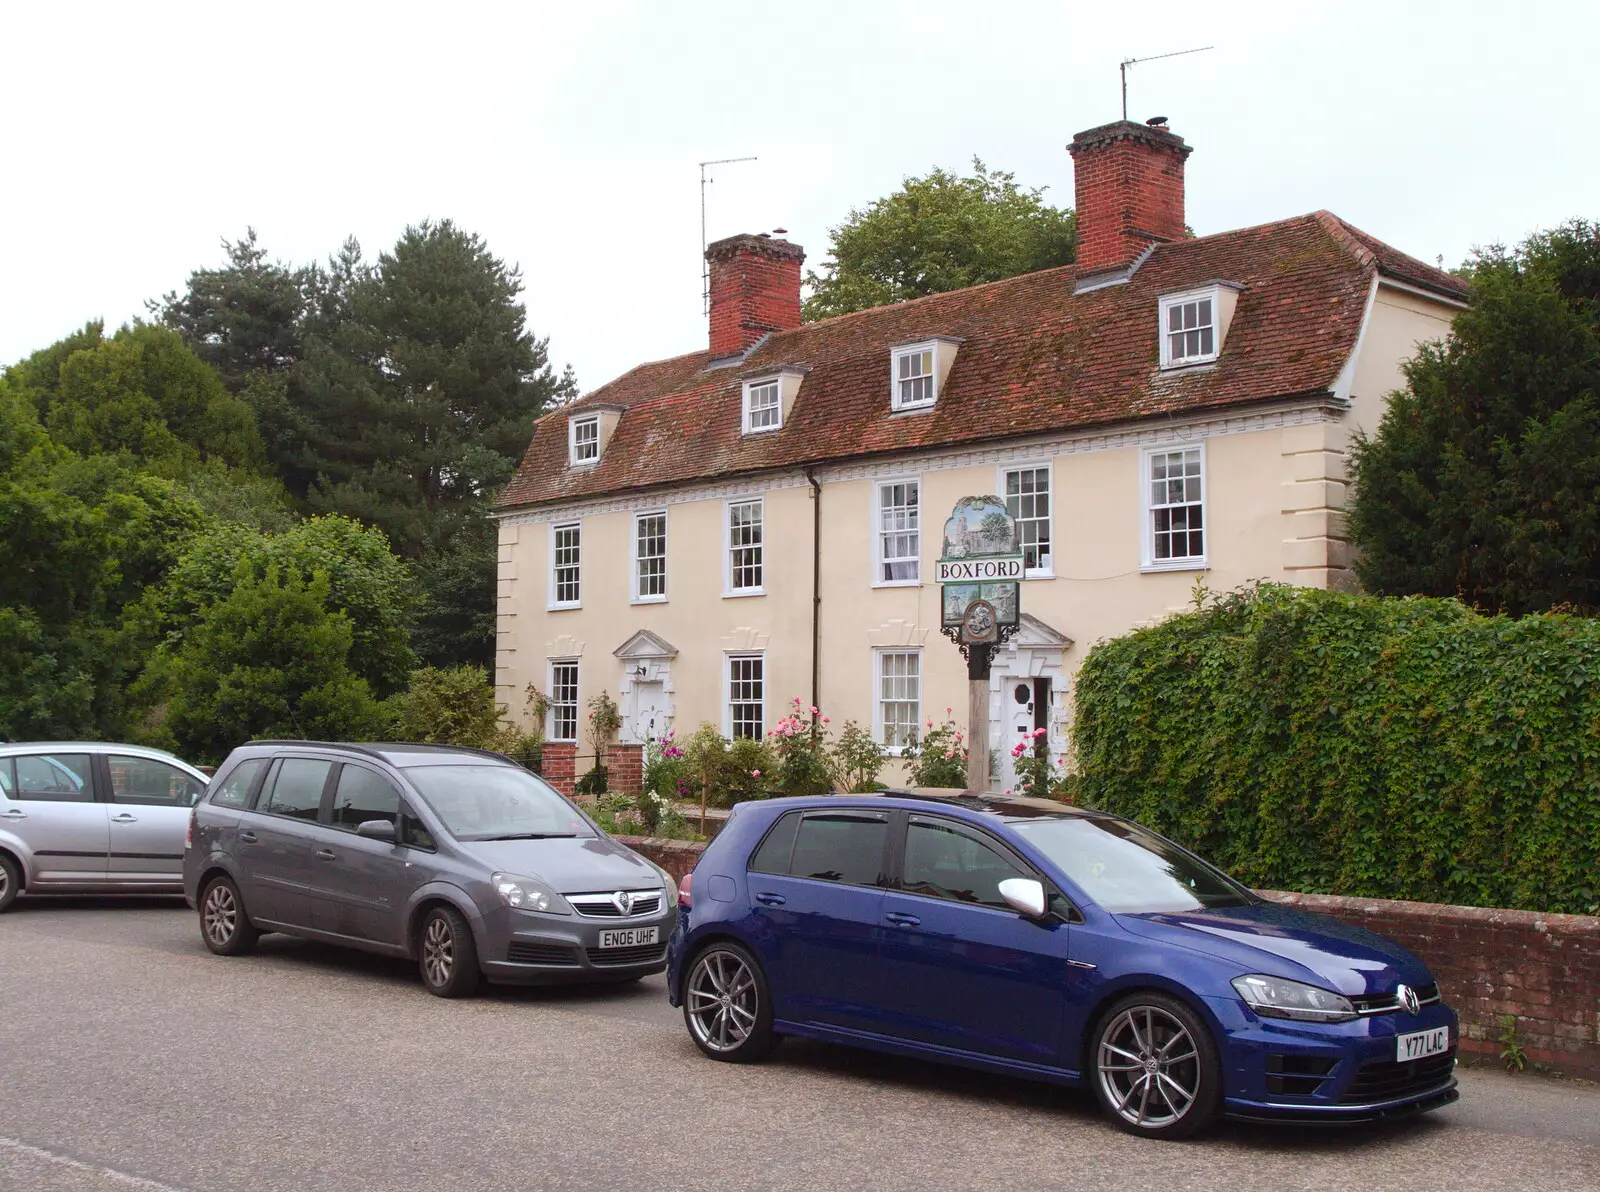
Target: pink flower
x=824 y=720
x=813 y=709
x=949 y=753
x=755 y=773
x=1008 y=790
x=929 y=723
x=947 y=711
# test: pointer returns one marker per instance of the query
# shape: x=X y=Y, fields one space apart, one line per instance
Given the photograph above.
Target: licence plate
x=630 y=937
x=1421 y=1044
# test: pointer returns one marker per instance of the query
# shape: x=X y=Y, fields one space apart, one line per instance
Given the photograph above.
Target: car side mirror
x=384 y=830
x=1024 y=895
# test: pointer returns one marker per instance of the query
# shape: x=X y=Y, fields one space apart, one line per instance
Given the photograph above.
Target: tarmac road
x=132 y=1060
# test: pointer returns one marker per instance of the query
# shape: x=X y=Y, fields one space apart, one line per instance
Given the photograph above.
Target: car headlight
x=670 y=883
x=1278 y=997
x=528 y=894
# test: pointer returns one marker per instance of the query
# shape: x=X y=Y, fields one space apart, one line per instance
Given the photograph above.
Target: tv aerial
x=1127 y=62
x=705 y=269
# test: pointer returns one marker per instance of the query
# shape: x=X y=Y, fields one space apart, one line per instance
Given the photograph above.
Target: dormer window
x=916 y=385
x=763 y=405
x=583 y=440
x=1194 y=324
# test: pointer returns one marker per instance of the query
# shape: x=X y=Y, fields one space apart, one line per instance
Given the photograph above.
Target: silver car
x=456 y=858
x=89 y=817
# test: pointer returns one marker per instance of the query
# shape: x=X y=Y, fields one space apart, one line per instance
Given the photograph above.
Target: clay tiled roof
x=1036 y=358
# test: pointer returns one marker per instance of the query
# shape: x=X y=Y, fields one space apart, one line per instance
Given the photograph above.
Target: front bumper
x=523 y=948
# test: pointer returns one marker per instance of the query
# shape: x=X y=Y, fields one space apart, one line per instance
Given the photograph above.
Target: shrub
x=734 y=770
x=453 y=706
x=604 y=721
x=1378 y=747
x=857 y=759
x=801 y=747
x=939 y=758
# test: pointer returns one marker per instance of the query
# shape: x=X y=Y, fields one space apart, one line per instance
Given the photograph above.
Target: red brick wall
x=624 y=768
x=557 y=765
x=755 y=288
x=677 y=857
x=1128 y=191
x=1544 y=969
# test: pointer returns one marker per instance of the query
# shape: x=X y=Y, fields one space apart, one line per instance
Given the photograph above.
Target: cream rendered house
x=709 y=536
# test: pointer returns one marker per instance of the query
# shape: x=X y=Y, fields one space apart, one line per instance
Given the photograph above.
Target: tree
x=454 y=706
x=141 y=392
x=938 y=233
x=1483 y=478
x=362 y=580
x=268 y=660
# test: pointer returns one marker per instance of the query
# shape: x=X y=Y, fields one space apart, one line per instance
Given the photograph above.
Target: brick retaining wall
x=1544 y=969
x=558 y=764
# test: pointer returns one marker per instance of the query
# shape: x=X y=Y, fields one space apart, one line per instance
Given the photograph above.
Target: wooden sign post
x=980 y=574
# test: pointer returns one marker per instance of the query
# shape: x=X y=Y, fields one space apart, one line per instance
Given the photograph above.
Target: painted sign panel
x=1001 y=597
x=979 y=527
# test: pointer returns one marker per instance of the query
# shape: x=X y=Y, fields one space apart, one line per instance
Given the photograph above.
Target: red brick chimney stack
x=755 y=289
x=1128 y=180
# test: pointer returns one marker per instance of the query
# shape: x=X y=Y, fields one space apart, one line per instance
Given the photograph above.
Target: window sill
x=648 y=600
x=1027 y=575
x=898 y=583
x=743 y=592
x=563 y=608
x=1176 y=565
x=1180 y=365
x=583 y=465
x=926 y=407
x=761 y=430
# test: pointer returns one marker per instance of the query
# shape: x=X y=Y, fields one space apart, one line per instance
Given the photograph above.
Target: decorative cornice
x=1148 y=432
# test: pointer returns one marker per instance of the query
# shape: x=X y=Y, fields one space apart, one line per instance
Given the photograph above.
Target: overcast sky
x=137 y=136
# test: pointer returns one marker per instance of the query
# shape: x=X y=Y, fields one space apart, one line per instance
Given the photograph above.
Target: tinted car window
x=234 y=790
x=944 y=860
x=362 y=795
x=841 y=846
x=145 y=781
x=773 y=855
x=8 y=778
x=297 y=789
x=54 y=777
x=1128 y=870
x=413 y=832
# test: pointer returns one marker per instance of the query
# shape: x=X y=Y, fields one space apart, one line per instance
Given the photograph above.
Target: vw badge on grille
x=1406 y=996
x=623 y=901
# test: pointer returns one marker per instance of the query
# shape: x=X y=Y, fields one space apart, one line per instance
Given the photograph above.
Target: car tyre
x=10 y=882
x=727 y=1005
x=447 y=955
x=1154 y=1066
x=224 y=925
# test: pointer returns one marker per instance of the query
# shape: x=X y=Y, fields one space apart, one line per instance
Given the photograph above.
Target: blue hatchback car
x=1022 y=937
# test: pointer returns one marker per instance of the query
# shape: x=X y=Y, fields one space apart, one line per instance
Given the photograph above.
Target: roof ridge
x=1343 y=235
x=982 y=285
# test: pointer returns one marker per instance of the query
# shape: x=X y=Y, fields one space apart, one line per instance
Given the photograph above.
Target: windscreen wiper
x=530 y=836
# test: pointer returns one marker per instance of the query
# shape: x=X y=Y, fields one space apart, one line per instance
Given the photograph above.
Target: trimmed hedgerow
x=1386 y=748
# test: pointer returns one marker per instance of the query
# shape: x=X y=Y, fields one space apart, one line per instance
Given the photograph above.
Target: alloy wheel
x=5 y=882
x=1149 y=1067
x=221 y=916
x=722 y=1000
x=438 y=951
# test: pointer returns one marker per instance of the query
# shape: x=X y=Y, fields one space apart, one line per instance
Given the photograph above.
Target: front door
x=150 y=803
x=965 y=970
x=362 y=886
x=53 y=810
x=649 y=710
x=1026 y=705
x=816 y=884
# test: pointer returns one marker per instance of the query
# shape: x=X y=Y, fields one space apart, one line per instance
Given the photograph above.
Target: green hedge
x=1388 y=748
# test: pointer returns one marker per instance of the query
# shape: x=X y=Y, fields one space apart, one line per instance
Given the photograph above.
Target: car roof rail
x=382 y=749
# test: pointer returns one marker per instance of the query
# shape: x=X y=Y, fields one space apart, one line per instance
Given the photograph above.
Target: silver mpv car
x=91 y=817
x=457 y=858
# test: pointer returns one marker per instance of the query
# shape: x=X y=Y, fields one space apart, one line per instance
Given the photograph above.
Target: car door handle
x=325 y=854
x=16 y=815
x=247 y=836
x=770 y=899
x=124 y=818
x=901 y=919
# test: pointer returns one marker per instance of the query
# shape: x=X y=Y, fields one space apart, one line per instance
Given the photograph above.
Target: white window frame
x=1147 y=512
x=728 y=662
x=879 y=558
x=1046 y=466
x=638 y=594
x=879 y=722
x=728 y=590
x=1168 y=302
x=748 y=425
x=552 y=592
x=931 y=348
x=576 y=704
x=583 y=458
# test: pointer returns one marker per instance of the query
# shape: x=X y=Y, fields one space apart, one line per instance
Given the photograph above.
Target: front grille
x=523 y=952
x=600 y=906
x=1383 y=1080
x=1297 y=1075
x=643 y=954
x=1386 y=1003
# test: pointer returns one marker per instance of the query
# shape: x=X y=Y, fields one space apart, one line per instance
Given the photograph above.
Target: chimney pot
x=755 y=290
x=1128 y=183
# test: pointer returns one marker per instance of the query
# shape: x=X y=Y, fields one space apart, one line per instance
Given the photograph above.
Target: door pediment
x=645 y=644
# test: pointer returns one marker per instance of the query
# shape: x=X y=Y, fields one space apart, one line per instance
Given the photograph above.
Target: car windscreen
x=1127 y=870
x=495 y=803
